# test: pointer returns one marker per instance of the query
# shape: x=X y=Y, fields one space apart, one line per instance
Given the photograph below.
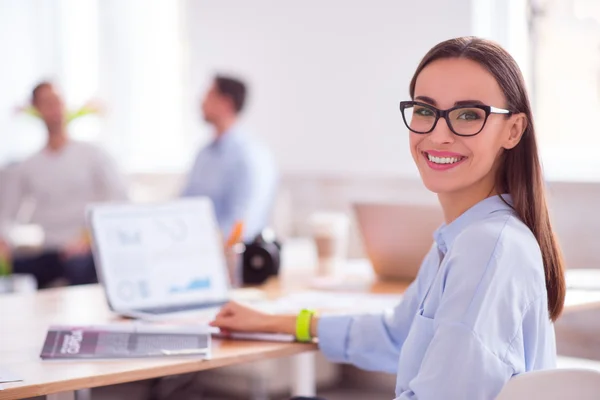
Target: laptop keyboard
x=181 y=308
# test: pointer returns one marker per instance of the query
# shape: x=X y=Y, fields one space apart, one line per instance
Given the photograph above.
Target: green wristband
x=303 y=322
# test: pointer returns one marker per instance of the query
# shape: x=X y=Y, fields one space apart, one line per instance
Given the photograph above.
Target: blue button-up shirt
x=239 y=175
x=476 y=315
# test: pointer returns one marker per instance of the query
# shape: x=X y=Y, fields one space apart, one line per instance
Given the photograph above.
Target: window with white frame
x=130 y=56
x=566 y=86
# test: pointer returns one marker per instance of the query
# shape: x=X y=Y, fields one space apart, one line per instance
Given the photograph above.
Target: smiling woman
x=488 y=290
x=473 y=98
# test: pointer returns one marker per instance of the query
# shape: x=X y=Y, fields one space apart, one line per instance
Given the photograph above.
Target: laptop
x=396 y=237
x=156 y=260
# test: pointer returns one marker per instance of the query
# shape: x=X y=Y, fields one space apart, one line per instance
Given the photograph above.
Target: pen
x=236 y=234
x=184 y=352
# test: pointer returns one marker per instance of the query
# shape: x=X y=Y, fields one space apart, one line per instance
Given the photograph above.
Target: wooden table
x=24 y=320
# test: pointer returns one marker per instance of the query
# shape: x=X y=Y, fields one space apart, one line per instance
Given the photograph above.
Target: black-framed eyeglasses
x=463 y=120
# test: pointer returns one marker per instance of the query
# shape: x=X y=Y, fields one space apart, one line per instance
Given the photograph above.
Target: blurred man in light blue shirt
x=236 y=171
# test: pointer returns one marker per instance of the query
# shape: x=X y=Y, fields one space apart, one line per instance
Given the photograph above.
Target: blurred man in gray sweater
x=61 y=179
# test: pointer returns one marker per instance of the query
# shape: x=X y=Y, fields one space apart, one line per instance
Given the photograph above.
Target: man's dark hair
x=232 y=88
x=37 y=88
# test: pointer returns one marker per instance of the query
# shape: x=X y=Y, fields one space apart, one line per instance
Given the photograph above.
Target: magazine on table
x=125 y=341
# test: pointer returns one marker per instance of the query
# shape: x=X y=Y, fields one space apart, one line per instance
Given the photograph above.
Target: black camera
x=261 y=258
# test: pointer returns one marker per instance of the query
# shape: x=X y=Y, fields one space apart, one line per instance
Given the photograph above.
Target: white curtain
x=29 y=52
x=144 y=76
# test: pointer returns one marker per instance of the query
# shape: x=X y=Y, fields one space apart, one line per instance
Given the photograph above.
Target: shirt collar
x=446 y=234
x=230 y=135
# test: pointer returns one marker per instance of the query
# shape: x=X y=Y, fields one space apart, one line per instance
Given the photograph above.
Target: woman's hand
x=242 y=318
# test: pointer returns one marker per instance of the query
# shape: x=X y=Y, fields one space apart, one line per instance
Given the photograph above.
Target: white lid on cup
x=329 y=223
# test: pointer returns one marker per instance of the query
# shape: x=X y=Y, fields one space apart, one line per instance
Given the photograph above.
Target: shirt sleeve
x=188 y=188
x=249 y=193
x=13 y=191
x=240 y=193
x=371 y=342
x=110 y=183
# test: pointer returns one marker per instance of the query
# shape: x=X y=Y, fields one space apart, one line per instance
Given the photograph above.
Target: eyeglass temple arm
x=495 y=110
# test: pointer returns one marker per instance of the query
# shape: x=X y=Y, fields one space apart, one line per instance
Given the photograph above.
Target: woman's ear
x=518 y=124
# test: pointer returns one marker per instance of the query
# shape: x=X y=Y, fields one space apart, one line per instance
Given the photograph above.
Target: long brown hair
x=520 y=172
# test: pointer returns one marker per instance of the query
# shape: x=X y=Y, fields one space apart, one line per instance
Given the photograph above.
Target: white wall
x=326 y=76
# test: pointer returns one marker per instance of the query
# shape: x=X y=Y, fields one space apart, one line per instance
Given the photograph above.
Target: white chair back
x=580 y=384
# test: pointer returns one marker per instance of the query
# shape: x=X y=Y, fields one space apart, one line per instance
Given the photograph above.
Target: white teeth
x=443 y=160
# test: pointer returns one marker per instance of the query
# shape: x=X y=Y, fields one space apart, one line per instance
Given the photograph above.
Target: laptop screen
x=154 y=255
